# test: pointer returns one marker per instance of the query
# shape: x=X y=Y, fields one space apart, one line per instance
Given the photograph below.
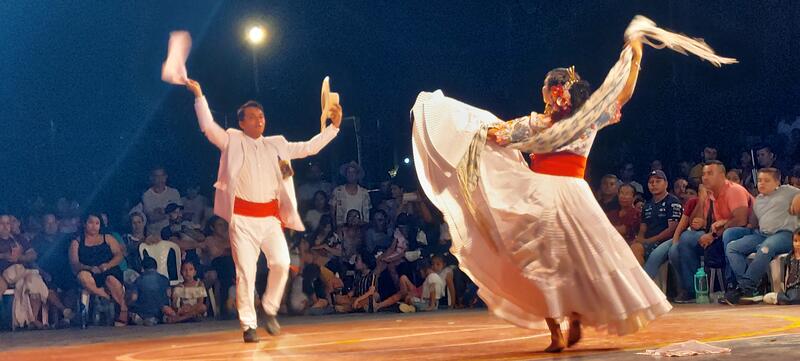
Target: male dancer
x=255 y=194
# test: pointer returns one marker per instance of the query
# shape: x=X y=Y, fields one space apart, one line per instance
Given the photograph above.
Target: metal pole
x=255 y=71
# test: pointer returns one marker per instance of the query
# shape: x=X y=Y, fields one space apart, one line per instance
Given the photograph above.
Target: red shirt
x=631 y=220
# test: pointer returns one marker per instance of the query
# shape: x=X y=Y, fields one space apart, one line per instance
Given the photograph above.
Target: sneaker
x=250 y=336
x=272 y=326
x=732 y=296
x=406 y=308
x=750 y=297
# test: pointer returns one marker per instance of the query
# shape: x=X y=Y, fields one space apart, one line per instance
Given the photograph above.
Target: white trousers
x=249 y=236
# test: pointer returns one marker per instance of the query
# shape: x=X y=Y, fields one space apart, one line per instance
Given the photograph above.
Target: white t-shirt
x=152 y=200
x=343 y=202
x=432 y=283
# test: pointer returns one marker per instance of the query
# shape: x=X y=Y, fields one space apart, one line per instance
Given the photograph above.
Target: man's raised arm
x=215 y=134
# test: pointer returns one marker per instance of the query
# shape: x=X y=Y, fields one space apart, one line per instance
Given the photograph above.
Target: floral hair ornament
x=562 y=103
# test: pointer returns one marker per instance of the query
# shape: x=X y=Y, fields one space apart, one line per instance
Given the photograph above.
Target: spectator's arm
x=29 y=256
x=74 y=260
x=683 y=224
x=794 y=209
x=116 y=250
x=753 y=220
x=668 y=233
x=434 y=302
x=739 y=218
x=642 y=231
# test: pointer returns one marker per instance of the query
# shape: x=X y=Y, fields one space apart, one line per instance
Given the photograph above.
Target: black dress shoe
x=272 y=326
x=250 y=336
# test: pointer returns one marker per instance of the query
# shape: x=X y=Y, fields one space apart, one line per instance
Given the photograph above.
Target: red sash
x=562 y=164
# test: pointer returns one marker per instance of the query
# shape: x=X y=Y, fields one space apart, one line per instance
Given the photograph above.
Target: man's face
x=50 y=224
x=352 y=175
x=397 y=191
x=158 y=178
x=176 y=215
x=656 y=185
x=713 y=177
x=765 y=157
x=5 y=226
x=253 y=123
x=137 y=224
x=679 y=187
x=609 y=186
x=15 y=225
x=709 y=153
x=733 y=177
x=767 y=183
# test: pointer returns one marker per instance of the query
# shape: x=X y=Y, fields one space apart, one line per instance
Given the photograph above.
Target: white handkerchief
x=173 y=70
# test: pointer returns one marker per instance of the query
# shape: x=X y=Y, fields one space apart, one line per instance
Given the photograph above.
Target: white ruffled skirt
x=538 y=245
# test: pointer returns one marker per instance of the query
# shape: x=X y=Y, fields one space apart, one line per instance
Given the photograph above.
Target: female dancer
x=537 y=243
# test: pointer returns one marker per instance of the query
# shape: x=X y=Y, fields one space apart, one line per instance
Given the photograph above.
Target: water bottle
x=701 y=286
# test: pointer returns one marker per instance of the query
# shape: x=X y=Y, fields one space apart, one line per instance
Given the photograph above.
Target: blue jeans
x=685 y=258
x=657 y=257
x=730 y=235
x=766 y=247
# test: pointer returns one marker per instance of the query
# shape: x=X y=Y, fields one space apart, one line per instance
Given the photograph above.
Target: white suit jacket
x=230 y=142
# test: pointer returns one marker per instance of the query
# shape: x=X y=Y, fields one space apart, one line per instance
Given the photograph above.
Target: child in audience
x=188 y=298
x=149 y=298
x=791 y=266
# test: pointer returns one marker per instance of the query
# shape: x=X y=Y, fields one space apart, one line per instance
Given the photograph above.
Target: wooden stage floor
x=753 y=332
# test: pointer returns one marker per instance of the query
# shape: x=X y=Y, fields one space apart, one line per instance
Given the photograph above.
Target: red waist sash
x=252 y=209
x=561 y=164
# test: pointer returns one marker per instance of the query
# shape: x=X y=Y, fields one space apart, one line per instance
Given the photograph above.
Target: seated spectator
x=794 y=178
x=156 y=199
x=52 y=260
x=773 y=220
x=734 y=175
x=627 y=218
x=607 y=196
x=679 y=187
x=627 y=174
x=364 y=287
x=313 y=184
x=691 y=220
x=350 y=196
x=150 y=296
x=188 y=298
x=689 y=193
x=321 y=207
x=791 y=266
x=395 y=254
x=316 y=291
x=400 y=202
x=95 y=259
x=696 y=173
x=660 y=217
x=768 y=159
x=325 y=246
x=132 y=242
x=187 y=235
x=167 y=255
x=729 y=203
x=684 y=168
x=378 y=236
x=217 y=254
x=351 y=236
x=30 y=290
x=413 y=298
x=445 y=272
x=195 y=205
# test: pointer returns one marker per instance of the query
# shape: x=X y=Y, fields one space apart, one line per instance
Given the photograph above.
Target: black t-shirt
x=657 y=215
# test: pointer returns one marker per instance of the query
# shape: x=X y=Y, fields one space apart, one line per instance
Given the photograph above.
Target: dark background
x=85 y=114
